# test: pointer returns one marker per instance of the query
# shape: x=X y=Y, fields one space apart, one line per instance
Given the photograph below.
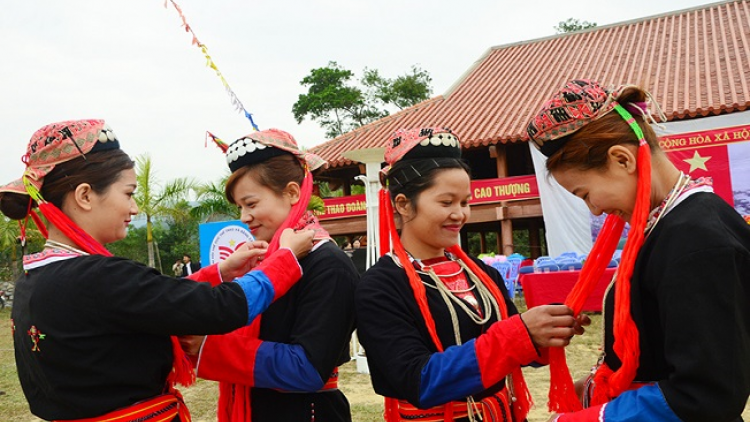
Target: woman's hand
x=551 y=325
x=244 y=259
x=191 y=344
x=582 y=320
x=299 y=241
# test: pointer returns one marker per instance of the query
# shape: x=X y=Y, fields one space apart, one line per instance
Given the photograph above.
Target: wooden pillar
x=506 y=230
x=535 y=247
x=482 y=242
x=501 y=159
x=347 y=187
x=506 y=226
x=499 y=239
x=464 y=240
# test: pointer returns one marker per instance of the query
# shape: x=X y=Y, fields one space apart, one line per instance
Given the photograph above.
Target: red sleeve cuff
x=208 y=274
x=503 y=348
x=282 y=269
x=229 y=358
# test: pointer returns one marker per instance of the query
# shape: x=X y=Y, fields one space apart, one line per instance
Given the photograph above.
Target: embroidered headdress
x=49 y=146
x=424 y=148
x=260 y=146
x=57 y=143
x=577 y=104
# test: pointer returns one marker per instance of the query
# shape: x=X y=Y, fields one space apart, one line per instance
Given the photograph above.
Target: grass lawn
x=366 y=405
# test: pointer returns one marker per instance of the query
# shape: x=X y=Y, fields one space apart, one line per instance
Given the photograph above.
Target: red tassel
x=296 y=212
x=182 y=369
x=39 y=224
x=627 y=341
x=385 y=220
x=562 y=397
x=71 y=230
x=609 y=384
x=524 y=401
x=601 y=383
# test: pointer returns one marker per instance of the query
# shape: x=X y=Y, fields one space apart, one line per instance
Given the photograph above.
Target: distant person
x=177 y=268
x=347 y=247
x=189 y=267
x=444 y=341
x=676 y=344
x=92 y=331
x=356 y=244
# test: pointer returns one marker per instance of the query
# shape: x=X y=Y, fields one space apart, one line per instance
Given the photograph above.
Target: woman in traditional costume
x=92 y=331
x=676 y=318
x=440 y=331
x=284 y=367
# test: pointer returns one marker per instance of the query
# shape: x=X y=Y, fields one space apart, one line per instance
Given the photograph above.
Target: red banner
x=706 y=154
x=483 y=191
x=702 y=139
x=344 y=206
x=505 y=189
x=710 y=162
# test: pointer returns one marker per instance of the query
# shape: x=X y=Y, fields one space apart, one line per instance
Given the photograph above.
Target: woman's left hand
x=244 y=259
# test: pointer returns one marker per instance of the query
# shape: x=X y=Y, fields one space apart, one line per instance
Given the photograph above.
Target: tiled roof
x=695 y=62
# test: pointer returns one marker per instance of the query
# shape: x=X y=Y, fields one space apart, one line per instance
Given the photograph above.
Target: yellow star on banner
x=697 y=162
x=232 y=242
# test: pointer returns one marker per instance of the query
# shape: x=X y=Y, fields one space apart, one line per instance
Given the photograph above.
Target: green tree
x=212 y=203
x=403 y=91
x=180 y=235
x=10 y=246
x=338 y=104
x=573 y=25
x=155 y=201
x=131 y=246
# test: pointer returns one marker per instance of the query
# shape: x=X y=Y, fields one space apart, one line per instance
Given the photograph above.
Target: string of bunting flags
x=210 y=63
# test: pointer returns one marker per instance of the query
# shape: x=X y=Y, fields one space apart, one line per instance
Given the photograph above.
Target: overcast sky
x=131 y=63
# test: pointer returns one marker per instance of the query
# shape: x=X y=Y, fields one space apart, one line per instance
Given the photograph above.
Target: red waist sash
x=158 y=409
x=491 y=409
x=333 y=381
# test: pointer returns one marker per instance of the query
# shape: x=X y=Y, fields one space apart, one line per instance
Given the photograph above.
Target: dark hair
x=423 y=174
x=586 y=149
x=274 y=173
x=187 y=255
x=99 y=169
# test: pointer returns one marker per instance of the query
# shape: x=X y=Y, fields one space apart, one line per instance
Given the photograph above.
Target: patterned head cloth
x=427 y=146
x=429 y=142
x=579 y=102
x=57 y=143
x=260 y=146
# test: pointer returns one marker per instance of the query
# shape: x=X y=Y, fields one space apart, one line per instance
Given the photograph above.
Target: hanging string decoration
x=210 y=63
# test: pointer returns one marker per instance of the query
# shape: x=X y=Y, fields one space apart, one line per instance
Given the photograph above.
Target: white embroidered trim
x=48 y=258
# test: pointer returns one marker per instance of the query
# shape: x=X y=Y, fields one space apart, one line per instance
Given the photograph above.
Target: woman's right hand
x=300 y=241
x=550 y=325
